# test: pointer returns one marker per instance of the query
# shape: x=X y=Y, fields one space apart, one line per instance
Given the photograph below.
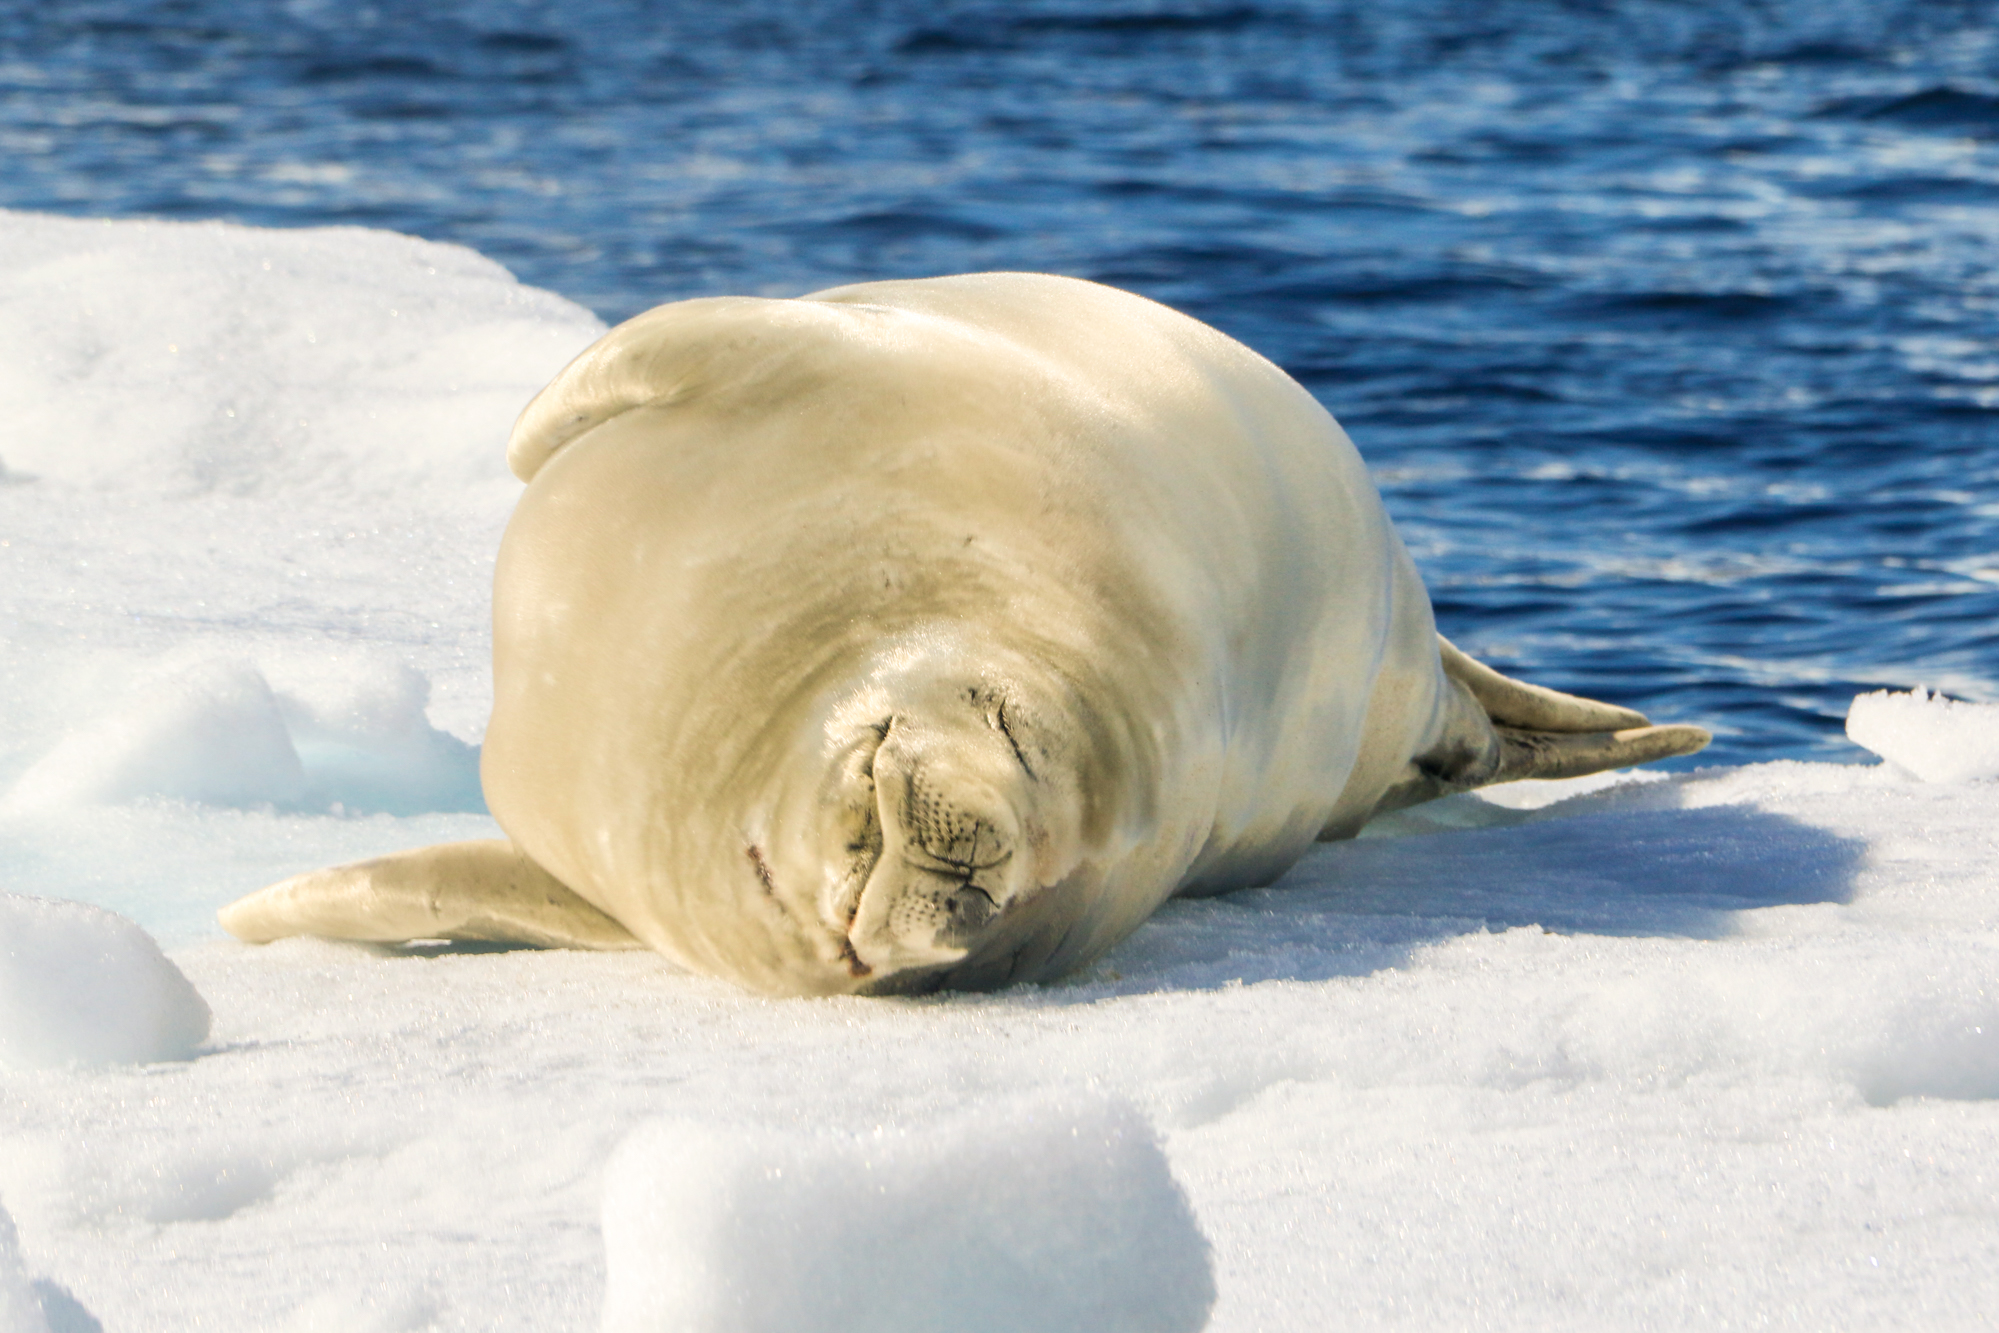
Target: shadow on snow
x=1593 y=866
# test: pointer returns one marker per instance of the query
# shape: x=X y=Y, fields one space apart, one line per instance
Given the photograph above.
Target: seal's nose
x=948 y=867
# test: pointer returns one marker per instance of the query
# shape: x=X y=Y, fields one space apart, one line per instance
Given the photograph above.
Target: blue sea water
x=1667 y=326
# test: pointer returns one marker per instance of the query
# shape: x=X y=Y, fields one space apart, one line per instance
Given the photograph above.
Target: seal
x=932 y=634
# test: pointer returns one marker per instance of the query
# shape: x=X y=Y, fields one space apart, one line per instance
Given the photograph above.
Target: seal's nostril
x=972 y=908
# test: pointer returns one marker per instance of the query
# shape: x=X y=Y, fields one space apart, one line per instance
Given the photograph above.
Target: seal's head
x=945 y=841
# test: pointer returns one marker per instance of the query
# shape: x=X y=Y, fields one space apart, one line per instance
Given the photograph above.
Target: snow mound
x=1037 y=1216
x=400 y=1312
x=1937 y=739
x=1948 y=1052
x=39 y=1306
x=365 y=742
x=211 y=734
x=20 y=1311
x=82 y=985
x=205 y=356
x=216 y=733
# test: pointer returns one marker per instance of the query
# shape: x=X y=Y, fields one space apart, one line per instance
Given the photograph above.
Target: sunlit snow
x=1711 y=1049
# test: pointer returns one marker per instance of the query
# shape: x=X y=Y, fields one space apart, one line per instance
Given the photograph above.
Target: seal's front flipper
x=485 y=890
x=1497 y=729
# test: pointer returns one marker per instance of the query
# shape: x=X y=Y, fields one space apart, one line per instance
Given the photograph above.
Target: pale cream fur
x=935 y=632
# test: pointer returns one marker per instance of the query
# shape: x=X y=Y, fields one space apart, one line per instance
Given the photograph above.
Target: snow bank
x=212 y=734
x=1937 y=739
x=216 y=733
x=82 y=985
x=1007 y=1218
x=209 y=356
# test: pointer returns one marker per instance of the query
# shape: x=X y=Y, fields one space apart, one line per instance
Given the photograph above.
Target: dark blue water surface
x=1667 y=327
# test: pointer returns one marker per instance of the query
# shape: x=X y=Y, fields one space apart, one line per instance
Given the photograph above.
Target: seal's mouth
x=858 y=824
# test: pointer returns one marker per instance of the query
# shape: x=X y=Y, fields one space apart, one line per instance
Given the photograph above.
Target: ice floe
x=1620 y=1053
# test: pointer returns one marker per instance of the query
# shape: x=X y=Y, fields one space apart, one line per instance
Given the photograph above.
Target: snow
x=1709 y=1049
x=1005 y=1217
x=20 y=1311
x=1937 y=739
x=209 y=356
x=39 y=1306
x=82 y=985
x=215 y=732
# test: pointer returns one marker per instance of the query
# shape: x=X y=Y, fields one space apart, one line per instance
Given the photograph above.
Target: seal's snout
x=950 y=810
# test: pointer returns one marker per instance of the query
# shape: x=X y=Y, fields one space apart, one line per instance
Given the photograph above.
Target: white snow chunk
x=1043 y=1215
x=82 y=985
x=1937 y=739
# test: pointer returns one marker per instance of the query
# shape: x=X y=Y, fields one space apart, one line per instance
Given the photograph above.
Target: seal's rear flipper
x=1573 y=754
x=485 y=890
x=1498 y=729
x=1515 y=703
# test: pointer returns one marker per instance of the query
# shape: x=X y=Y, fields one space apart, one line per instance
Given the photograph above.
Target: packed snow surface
x=1710 y=1049
x=991 y=1219
x=1937 y=739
